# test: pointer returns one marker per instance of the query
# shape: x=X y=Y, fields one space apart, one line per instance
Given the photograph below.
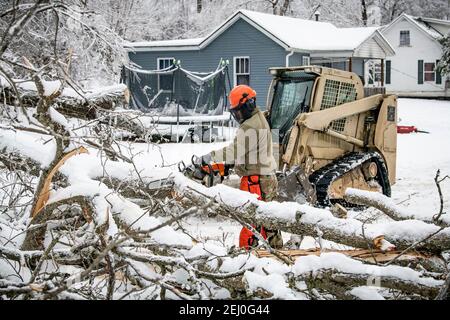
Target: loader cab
x=291 y=93
x=306 y=89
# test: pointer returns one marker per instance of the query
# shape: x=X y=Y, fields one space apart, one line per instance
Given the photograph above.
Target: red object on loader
x=409 y=129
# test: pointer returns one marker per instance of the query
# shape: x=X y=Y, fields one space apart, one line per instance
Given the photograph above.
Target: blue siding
x=358 y=67
x=296 y=59
x=241 y=39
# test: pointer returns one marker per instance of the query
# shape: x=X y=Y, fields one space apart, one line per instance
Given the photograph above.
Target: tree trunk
x=364 y=12
x=285 y=7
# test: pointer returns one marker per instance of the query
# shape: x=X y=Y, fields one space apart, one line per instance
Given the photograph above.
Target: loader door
x=292 y=96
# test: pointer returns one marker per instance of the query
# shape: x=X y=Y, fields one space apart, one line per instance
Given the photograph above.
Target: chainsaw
x=209 y=175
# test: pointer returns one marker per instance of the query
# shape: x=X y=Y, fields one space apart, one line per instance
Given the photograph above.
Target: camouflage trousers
x=269 y=190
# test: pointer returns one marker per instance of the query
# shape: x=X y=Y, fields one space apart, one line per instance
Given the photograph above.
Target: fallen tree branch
x=306 y=220
x=339 y=283
x=377 y=201
x=303 y=219
x=82 y=107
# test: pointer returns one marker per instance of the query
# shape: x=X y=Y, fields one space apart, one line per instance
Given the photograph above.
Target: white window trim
x=306 y=61
x=235 y=74
x=157 y=68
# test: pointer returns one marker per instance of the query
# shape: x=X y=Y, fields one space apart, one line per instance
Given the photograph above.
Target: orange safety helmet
x=240 y=95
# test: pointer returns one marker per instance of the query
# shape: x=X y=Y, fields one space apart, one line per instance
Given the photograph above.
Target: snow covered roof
x=310 y=35
x=427 y=25
x=166 y=43
x=436 y=21
x=293 y=34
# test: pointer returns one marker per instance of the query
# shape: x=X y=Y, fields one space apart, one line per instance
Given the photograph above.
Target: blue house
x=252 y=42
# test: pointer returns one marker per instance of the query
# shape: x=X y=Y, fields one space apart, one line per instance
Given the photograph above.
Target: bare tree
x=364 y=12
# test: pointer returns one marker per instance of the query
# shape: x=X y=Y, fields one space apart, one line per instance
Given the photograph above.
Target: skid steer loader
x=329 y=136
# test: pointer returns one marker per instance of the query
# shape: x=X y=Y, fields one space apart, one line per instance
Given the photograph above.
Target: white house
x=412 y=71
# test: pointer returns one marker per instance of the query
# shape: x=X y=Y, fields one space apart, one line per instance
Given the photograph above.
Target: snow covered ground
x=421 y=155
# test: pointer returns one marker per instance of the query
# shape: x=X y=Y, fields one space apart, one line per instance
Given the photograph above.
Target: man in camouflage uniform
x=251 y=154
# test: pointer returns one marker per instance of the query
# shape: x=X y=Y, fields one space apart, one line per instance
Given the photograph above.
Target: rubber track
x=324 y=177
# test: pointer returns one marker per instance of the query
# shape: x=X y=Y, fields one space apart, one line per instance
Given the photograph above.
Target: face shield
x=243 y=111
x=237 y=115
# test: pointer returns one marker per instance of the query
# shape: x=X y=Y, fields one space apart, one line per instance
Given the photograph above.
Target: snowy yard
x=421 y=155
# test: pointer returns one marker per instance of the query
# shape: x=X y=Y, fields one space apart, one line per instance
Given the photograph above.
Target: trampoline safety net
x=176 y=92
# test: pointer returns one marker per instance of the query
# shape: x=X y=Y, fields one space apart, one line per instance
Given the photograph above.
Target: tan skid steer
x=329 y=136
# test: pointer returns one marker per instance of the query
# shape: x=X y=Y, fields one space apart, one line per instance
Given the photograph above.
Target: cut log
x=34 y=237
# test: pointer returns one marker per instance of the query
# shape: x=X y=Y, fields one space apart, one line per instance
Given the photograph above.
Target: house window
x=429 y=72
x=241 y=70
x=405 y=38
x=306 y=61
x=165 y=81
